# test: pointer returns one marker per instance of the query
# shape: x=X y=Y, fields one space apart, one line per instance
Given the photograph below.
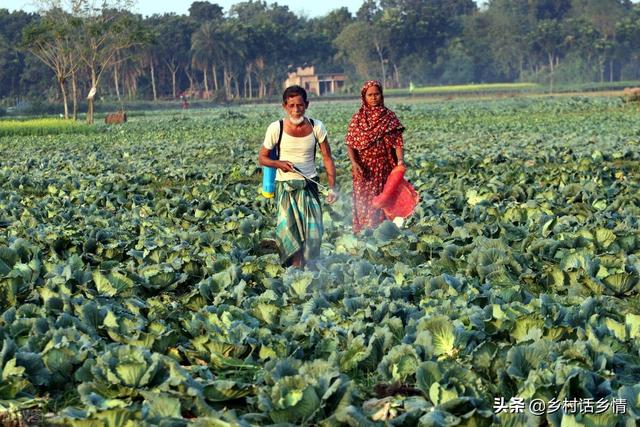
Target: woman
x=299 y=219
x=374 y=144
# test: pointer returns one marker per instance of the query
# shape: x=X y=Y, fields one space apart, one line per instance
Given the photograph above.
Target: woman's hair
x=292 y=91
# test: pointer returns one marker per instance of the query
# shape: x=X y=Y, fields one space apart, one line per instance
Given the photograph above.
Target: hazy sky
x=181 y=7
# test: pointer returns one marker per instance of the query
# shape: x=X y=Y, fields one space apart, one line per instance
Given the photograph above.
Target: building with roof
x=319 y=84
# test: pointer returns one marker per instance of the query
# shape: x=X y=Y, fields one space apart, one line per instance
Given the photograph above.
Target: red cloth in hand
x=398 y=197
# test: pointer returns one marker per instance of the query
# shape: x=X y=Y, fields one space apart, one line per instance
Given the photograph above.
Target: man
x=299 y=218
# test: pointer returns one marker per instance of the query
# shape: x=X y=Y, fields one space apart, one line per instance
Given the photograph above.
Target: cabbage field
x=139 y=284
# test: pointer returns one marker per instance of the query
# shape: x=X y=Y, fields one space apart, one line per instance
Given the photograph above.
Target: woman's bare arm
x=357 y=169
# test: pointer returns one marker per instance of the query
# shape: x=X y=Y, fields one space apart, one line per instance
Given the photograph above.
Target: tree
x=369 y=11
x=425 y=25
x=148 y=56
x=417 y=29
x=333 y=23
x=249 y=51
x=6 y=58
x=174 y=45
x=550 y=9
x=604 y=15
x=104 y=37
x=549 y=37
x=5 y=53
x=203 y=41
x=458 y=66
x=204 y=44
x=128 y=67
x=355 y=46
x=507 y=25
x=273 y=39
x=367 y=40
x=12 y=58
x=98 y=35
x=628 y=33
x=231 y=54
x=266 y=50
x=203 y=11
x=258 y=12
x=53 y=41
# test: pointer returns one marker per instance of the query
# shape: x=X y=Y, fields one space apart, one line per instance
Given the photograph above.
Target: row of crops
x=138 y=285
x=43 y=127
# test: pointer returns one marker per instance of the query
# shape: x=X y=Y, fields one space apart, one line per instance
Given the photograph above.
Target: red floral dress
x=377 y=161
x=374 y=133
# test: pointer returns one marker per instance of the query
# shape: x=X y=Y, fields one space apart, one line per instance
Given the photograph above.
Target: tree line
x=71 y=46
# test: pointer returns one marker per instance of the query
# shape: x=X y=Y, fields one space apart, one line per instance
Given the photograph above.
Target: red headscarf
x=369 y=124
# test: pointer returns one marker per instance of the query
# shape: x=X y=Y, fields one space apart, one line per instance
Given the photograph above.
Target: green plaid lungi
x=299 y=221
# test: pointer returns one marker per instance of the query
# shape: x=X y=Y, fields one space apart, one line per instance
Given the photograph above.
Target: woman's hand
x=285 y=166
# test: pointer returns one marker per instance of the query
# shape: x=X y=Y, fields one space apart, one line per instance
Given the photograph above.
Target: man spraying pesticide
x=289 y=147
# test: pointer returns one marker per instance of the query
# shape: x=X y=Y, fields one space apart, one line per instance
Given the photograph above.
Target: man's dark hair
x=292 y=91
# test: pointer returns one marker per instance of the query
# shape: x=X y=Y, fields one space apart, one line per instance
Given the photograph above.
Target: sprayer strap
x=277 y=146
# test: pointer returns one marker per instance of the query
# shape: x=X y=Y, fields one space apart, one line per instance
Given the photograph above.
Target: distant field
x=490 y=87
x=514 y=88
x=47 y=126
x=136 y=288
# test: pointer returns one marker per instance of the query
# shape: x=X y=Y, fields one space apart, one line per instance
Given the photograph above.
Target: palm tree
x=174 y=44
x=231 y=52
x=204 y=43
x=219 y=43
x=149 y=57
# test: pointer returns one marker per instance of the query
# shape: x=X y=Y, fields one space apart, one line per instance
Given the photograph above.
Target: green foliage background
x=246 y=50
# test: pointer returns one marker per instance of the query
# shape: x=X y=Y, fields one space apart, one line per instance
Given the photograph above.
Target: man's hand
x=332 y=196
x=285 y=166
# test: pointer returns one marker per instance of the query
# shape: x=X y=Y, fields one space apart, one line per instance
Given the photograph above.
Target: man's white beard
x=296 y=121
